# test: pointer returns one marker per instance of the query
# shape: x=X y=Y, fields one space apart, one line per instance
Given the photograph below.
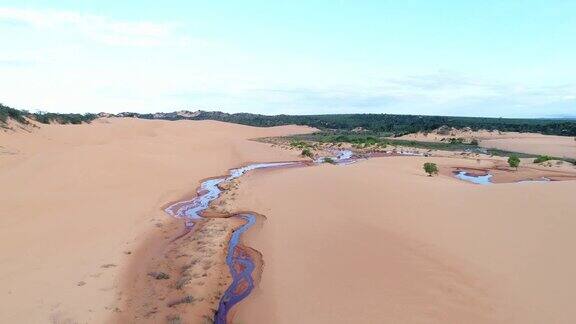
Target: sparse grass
x=158 y=275
x=184 y=300
x=299 y=144
x=182 y=282
x=382 y=140
x=377 y=140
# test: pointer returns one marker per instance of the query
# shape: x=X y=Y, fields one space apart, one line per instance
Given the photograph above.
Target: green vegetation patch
x=43 y=117
x=543 y=158
x=381 y=140
x=18 y=115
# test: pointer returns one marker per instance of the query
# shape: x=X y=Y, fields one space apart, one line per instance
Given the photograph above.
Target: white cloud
x=101 y=29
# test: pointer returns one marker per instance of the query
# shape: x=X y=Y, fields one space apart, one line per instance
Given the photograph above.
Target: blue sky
x=471 y=58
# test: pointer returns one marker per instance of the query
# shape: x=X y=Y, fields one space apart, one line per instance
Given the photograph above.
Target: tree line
x=378 y=123
x=21 y=116
x=399 y=124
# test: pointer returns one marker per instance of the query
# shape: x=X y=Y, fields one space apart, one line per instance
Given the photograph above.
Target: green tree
x=430 y=168
x=514 y=161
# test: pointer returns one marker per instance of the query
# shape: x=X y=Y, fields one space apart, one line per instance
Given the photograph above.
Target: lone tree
x=514 y=161
x=430 y=168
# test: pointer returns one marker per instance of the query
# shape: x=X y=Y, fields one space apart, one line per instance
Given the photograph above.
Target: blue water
x=342 y=157
x=239 y=262
x=482 y=180
x=209 y=191
x=241 y=268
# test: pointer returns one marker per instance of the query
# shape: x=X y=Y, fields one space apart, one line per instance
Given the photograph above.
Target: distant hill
x=396 y=124
x=382 y=123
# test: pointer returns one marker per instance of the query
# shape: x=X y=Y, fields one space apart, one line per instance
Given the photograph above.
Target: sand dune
x=77 y=201
x=558 y=146
x=81 y=223
x=377 y=241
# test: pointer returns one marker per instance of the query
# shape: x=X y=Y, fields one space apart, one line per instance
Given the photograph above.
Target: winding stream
x=241 y=268
x=238 y=259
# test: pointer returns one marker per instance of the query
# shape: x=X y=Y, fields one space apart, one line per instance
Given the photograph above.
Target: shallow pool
x=482 y=180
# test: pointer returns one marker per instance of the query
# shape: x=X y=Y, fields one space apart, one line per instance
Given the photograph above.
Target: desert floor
x=379 y=242
x=82 y=224
x=77 y=203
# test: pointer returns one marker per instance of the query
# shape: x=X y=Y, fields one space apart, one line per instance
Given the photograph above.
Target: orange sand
x=376 y=241
x=380 y=242
x=77 y=201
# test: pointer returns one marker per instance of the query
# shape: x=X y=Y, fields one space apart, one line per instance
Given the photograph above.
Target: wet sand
x=78 y=204
x=380 y=241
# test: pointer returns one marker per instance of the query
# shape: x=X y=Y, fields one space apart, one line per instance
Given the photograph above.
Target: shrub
x=474 y=142
x=159 y=275
x=454 y=140
x=542 y=158
x=329 y=160
x=306 y=152
x=299 y=144
x=7 y=112
x=430 y=168
x=184 y=300
x=514 y=161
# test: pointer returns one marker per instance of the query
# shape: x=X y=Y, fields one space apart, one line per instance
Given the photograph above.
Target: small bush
x=329 y=160
x=514 y=161
x=458 y=140
x=306 y=152
x=430 y=168
x=299 y=144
